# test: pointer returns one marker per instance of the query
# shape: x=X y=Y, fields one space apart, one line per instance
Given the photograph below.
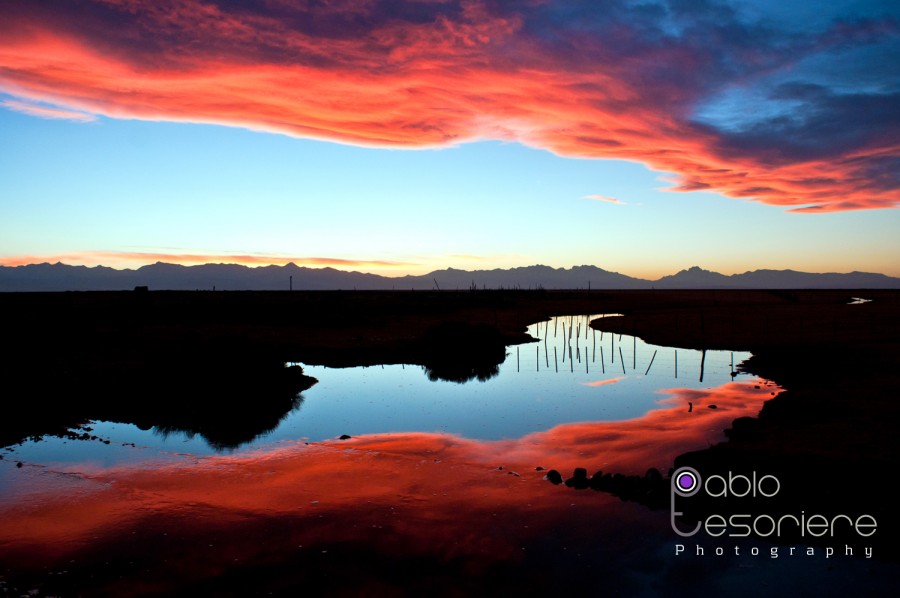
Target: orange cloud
x=592 y=84
x=142 y=258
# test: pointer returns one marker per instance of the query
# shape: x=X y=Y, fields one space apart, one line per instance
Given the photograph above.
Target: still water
x=440 y=490
x=570 y=374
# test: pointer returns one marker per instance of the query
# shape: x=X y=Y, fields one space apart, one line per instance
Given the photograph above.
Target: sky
x=401 y=137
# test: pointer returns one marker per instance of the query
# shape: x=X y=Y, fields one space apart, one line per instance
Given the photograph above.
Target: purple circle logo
x=686 y=481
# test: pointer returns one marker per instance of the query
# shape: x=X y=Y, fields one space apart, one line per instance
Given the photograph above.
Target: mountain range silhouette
x=235 y=277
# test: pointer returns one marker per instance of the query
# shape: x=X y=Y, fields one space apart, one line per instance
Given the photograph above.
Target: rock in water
x=579 y=479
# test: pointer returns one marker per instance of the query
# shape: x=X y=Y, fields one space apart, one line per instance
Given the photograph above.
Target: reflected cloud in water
x=451 y=502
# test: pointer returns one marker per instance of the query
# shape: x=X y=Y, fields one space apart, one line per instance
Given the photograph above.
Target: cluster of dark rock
x=651 y=489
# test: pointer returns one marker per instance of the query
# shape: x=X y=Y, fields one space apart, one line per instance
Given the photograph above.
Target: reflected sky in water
x=576 y=375
x=388 y=513
x=570 y=374
x=440 y=481
x=399 y=494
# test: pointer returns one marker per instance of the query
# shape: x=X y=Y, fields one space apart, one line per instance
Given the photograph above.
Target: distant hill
x=161 y=276
x=530 y=277
x=697 y=278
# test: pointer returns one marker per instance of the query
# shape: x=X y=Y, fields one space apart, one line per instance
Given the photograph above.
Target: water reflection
x=473 y=386
x=228 y=400
x=228 y=425
x=399 y=509
x=441 y=485
x=572 y=338
x=533 y=389
x=459 y=352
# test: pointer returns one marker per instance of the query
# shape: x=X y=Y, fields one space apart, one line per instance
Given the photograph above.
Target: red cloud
x=433 y=74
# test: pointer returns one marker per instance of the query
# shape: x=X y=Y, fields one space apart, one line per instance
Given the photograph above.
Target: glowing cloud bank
x=749 y=106
x=132 y=258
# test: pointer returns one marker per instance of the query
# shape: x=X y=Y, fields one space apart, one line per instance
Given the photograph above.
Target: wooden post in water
x=702 y=364
x=555 y=361
x=676 y=364
x=651 y=362
x=602 y=361
x=622 y=361
x=634 y=353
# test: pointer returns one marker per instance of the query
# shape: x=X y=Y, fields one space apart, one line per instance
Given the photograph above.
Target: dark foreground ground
x=830 y=438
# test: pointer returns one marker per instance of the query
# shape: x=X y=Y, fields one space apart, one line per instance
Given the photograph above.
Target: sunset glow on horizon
x=133 y=259
x=405 y=137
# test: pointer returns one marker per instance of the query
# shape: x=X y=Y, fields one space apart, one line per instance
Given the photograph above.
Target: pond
x=439 y=488
x=571 y=373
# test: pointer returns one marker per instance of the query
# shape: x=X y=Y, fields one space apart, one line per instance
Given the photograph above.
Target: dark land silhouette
x=235 y=277
x=191 y=361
